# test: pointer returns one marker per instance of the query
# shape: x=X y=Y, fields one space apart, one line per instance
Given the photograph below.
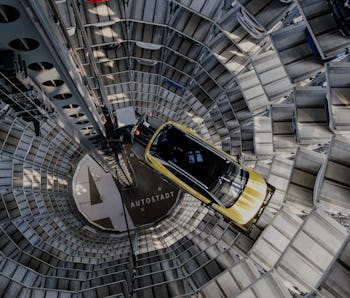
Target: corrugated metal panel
x=312 y=251
x=338 y=95
x=295 y=53
x=300 y=191
x=270 y=285
x=323 y=27
x=228 y=53
x=283 y=129
x=235 y=32
x=263 y=137
x=267 y=13
x=278 y=177
x=252 y=91
x=272 y=75
x=311 y=115
x=276 y=237
x=238 y=104
x=247 y=141
x=262 y=168
x=334 y=188
x=209 y=9
x=337 y=282
x=232 y=281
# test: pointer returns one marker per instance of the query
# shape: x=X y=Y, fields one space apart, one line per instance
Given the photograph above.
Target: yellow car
x=208 y=173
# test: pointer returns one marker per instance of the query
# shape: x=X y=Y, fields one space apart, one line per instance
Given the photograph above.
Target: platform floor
x=97 y=196
x=153 y=197
x=100 y=201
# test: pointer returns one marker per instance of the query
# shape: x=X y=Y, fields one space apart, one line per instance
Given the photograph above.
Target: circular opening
x=77 y=115
x=53 y=83
x=62 y=96
x=24 y=44
x=40 y=66
x=82 y=122
x=71 y=106
x=8 y=14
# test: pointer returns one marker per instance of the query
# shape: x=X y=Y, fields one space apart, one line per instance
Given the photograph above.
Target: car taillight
x=96 y=1
x=260 y=30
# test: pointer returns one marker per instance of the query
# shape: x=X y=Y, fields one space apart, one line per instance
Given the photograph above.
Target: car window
x=173 y=145
x=188 y=181
x=215 y=177
x=229 y=187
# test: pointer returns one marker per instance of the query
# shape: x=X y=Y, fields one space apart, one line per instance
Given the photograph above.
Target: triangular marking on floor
x=95 y=197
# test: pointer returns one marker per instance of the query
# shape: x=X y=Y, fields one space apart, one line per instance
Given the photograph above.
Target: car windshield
x=219 y=176
x=230 y=185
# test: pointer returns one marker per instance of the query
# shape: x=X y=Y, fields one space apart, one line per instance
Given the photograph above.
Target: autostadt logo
x=152 y=199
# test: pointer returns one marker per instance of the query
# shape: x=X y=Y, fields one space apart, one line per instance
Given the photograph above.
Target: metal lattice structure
x=67 y=65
